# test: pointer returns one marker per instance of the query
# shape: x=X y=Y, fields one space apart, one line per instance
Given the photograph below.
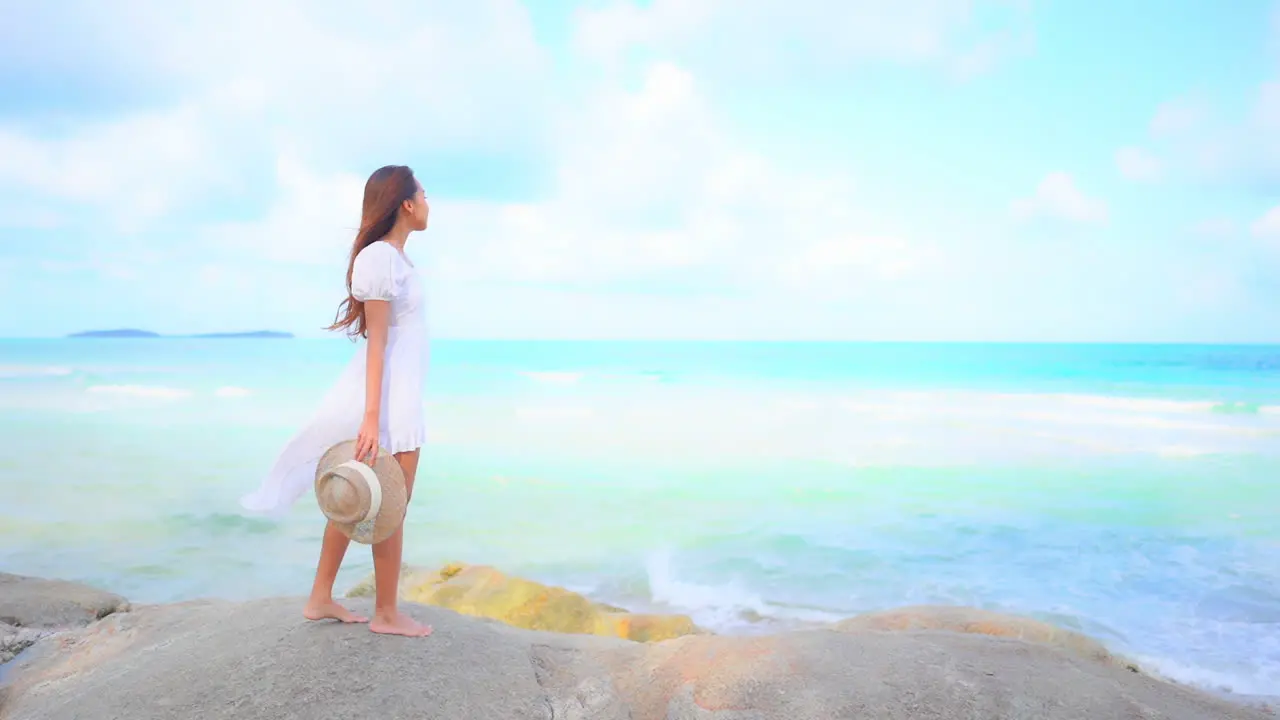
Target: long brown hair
x=384 y=192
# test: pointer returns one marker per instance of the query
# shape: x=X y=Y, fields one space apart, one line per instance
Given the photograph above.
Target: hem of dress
x=275 y=504
x=406 y=441
x=253 y=504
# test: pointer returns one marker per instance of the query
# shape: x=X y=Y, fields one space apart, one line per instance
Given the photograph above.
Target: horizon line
x=658 y=339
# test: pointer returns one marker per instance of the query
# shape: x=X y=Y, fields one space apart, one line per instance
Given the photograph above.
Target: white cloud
x=1215 y=227
x=312 y=221
x=607 y=32
x=648 y=189
x=839 y=266
x=656 y=219
x=647 y=184
x=1196 y=143
x=1137 y=164
x=1267 y=227
x=132 y=170
x=1199 y=142
x=452 y=62
x=649 y=193
x=16 y=215
x=1179 y=116
x=756 y=35
x=1266 y=111
x=1212 y=287
x=982 y=58
x=1057 y=197
x=394 y=79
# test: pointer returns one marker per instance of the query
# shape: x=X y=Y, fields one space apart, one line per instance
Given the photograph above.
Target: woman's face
x=419 y=209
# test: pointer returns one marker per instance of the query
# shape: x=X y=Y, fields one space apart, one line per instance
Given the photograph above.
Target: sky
x=973 y=170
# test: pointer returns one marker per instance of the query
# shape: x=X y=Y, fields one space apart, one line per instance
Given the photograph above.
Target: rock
x=263 y=660
x=38 y=603
x=980 y=622
x=887 y=676
x=260 y=660
x=31 y=608
x=13 y=640
x=578 y=684
x=483 y=591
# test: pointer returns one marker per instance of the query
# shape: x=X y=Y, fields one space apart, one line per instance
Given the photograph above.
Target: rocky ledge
x=31 y=608
x=95 y=657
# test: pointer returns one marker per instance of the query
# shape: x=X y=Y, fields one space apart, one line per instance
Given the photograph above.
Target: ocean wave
x=1213 y=648
x=907 y=403
x=1161 y=406
x=1144 y=421
x=575 y=377
x=1181 y=451
x=33 y=371
x=553 y=412
x=863 y=427
x=714 y=606
x=1262 y=681
x=141 y=391
x=1134 y=404
x=159 y=392
x=1157 y=405
x=722 y=607
x=1207 y=416
x=559 y=377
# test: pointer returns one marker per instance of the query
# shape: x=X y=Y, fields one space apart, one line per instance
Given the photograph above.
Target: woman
x=377 y=399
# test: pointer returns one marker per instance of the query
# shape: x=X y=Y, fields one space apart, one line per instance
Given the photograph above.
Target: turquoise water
x=1130 y=491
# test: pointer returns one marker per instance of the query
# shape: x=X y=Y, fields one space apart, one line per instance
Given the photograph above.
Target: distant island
x=122 y=333
x=134 y=333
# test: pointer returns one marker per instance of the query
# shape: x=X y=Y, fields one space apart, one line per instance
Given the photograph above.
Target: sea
x=1131 y=492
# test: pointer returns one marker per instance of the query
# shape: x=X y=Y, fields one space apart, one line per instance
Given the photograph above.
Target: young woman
x=377 y=399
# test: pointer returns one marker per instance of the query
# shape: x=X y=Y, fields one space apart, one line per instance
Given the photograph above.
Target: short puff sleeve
x=373 y=275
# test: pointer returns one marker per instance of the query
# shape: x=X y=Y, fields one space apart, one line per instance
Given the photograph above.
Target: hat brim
x=394 y=496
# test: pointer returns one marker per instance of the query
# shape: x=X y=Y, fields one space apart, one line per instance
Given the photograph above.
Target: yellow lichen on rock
x=980 y=622
x=644 y=627
x=483 y=591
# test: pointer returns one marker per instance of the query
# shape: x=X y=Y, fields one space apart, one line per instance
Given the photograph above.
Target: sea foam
x=139 y=391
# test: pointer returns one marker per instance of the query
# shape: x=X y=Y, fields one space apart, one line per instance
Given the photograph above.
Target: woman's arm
x=377 y=314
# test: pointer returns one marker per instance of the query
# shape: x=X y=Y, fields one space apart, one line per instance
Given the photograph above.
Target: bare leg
x=387 y=555
x=320 y=605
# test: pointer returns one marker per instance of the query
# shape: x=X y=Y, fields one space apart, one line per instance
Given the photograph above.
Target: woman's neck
x=398 y=236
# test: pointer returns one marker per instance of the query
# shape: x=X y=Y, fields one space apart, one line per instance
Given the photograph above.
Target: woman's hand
x=367 y=441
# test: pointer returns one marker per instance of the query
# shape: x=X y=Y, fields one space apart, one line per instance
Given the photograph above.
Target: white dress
x=380 y=272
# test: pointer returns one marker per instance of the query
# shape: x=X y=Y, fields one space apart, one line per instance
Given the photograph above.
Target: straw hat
x=366 y=503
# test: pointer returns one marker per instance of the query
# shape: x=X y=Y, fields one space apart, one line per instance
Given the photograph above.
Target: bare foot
x=331 y=611
x=399 y=624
